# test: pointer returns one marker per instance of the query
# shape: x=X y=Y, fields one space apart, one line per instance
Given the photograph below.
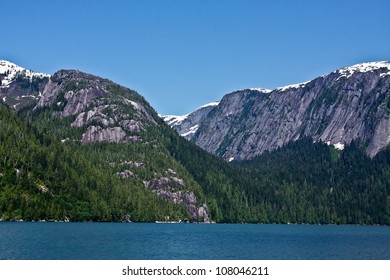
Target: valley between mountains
x=77 y=147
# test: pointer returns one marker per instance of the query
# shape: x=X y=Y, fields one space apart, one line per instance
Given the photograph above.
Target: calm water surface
x=82 y=241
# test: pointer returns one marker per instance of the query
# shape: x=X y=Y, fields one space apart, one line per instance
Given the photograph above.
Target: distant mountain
x=20 y=87
x=187 y=125
x=352 y=103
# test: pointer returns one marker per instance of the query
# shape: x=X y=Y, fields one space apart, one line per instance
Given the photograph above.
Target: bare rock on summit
x=104 y=110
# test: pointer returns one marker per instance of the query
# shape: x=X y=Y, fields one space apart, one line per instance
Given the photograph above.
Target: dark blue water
x=81 y=241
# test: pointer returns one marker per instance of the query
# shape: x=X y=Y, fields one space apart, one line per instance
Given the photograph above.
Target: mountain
x=42 y=178
x=187 y=125
x=19 y=87
x=352 y=103
x=107 y=125
x=88 y=149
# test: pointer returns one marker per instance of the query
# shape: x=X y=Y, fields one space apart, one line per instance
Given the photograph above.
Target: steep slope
x=44 y=179
x=90 y=150
x=352 y=103
x=106 y=112
x=301 y=182
x=187 y=125
x=79 y=111
x=20 y=87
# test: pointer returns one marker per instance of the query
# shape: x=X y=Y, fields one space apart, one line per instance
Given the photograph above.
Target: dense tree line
x=302 y=182
x=42 y=177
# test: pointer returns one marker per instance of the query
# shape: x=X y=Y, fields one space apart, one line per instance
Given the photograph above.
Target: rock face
x=107 y=112
x=171 y=189
x=352 y=103
x=188 y=124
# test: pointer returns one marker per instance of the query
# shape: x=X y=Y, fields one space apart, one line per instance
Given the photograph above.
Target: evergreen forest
x=44 y=178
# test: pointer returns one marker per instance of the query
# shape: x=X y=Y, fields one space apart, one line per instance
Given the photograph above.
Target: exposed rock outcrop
x=126 y=174
x=352 y=103
x=98 y=105
x=166 y=189
x=98 y=134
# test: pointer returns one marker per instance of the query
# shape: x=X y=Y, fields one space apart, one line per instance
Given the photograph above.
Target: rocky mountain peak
x=10 y=72
x=108 y=112
x=20 y=87
x=381 y=66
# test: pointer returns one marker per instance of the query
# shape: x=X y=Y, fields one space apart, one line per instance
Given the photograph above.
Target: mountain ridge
x=335 y=108
x=88 y=149
x=20 y=87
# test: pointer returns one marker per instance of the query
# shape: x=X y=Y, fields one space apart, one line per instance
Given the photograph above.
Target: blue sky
x=182 y=54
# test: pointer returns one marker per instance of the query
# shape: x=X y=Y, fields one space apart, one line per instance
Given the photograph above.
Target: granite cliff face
x=105 y=111
x=352 y=103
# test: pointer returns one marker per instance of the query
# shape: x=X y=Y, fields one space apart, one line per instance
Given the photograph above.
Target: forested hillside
x=82 y=148
x=42 y=178
x=302 y=182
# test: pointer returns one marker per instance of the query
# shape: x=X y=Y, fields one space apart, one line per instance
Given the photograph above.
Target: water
x=85 y=241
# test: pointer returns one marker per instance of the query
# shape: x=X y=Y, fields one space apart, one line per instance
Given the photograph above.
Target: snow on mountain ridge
x=363 y=67
x=294 y=86
x=211 y=104
x=261 y=90
x=348 y=72
x=10 y=71
x=174 y=120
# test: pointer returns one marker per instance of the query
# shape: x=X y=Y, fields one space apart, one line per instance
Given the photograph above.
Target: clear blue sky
x=181 y=54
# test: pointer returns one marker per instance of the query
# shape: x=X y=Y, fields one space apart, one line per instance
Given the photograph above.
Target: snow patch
x=211 y=104
x=384 y=74
x=191 y=131
x=172 y=120
x=363 y=68
x=294 y=86
x=261 y=90
x=12 y=71
x=339 y=146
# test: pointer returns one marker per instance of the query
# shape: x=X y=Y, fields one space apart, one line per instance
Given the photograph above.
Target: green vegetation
x=46 y=173
x=42 y=178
